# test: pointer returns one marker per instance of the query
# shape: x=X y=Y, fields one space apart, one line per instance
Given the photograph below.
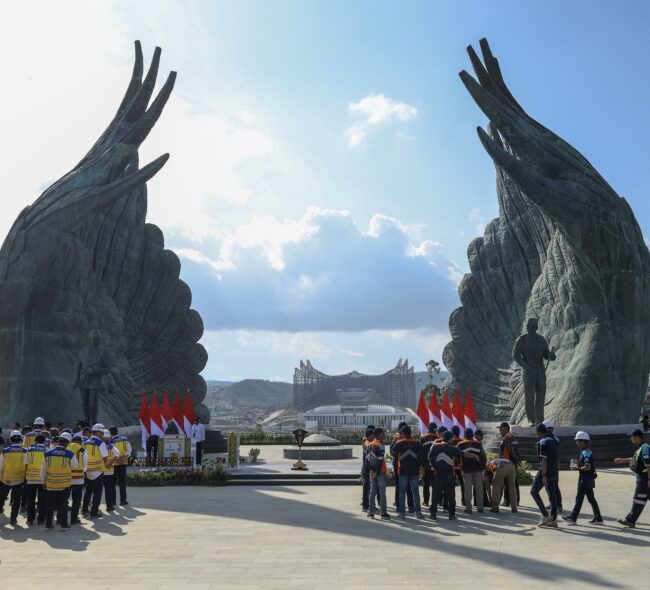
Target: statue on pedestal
x=529 y=353
x=93 y=375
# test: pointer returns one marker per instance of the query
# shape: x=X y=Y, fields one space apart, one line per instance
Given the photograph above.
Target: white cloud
x=61 y=100
x=321 y=272
x=373 y=110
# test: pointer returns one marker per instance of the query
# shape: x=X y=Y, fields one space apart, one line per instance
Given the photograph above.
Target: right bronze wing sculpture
x=82 y=257
x=565 y=249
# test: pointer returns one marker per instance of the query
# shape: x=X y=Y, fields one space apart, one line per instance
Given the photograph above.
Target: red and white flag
x=457 y=413
x=145 y=421
x=434 y=409
x=177 y=412
x=423 y=414
x=188 y=414
x=469 y=411
x=156 y=418
x=166 y=411
x=445 y=411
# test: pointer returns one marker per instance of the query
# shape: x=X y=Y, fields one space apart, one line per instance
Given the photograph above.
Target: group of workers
x=42 y=468
x=441 y=459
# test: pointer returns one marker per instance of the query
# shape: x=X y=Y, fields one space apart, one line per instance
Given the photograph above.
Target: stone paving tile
x=317 y=537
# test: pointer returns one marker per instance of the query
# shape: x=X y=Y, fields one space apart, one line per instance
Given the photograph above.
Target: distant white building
x=354 y=418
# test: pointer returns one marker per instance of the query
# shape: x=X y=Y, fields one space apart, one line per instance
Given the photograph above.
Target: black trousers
x=443 y=487
x=427 y=480
x=409 y=493
x=16 y=496
x=93 y=495
x=640 y=499
x=120 y=481
x=109 y=490
x=56 y=501
x=35 y=493
x=461 y=481
x=551 y=489
x=77 y=493
x=199 y=452
x=585 y=489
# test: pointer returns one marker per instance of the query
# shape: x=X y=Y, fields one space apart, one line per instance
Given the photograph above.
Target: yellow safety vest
x=122 y=446
x=58 y=470
x=109 y=460
x=95 y=459
x=35 y=456
x=78 y=450
x=13 y=470
x=29 y=440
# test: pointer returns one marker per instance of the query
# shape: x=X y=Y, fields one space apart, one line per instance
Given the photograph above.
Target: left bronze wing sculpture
x=82 y=257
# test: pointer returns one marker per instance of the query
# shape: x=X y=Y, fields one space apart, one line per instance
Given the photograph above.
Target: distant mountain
x=219 y=383
x=258 y=392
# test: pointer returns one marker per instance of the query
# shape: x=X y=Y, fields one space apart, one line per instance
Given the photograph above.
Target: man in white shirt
x=198 y=436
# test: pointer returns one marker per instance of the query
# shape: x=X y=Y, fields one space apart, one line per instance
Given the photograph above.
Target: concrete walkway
x=317 y=537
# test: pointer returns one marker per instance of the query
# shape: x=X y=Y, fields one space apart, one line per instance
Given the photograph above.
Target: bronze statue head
x=532 y=325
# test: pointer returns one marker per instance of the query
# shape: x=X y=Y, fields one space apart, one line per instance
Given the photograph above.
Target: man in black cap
x=640 y=464
x=365 y=473
x=409 y=492
x=427 y=440
x=441 y=457
x=408 y=452
x=547 y=476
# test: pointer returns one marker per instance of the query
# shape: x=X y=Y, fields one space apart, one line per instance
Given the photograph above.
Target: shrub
x=254 y=454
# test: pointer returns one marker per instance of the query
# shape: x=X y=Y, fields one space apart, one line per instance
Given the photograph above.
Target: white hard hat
x=107 y=434
x=99 y=426
x=581 y=435
x=65 y=436
x=15 y=433
x=548 y=424
x=39 y=422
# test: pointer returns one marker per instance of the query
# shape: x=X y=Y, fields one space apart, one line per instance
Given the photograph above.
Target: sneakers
x=468 y=510
x=98 y=514
x=544 y=521
x=419 y=516
x=452 y=517
x=597 y=520
x=370 y=515
x=548 y=521
x=494 y=509
x=626 y=522
x=65 y=529
x=433 y=517
x=402 y=515
x=125 y=503
x=48 y=529
x=385 y=516
x=569 y=520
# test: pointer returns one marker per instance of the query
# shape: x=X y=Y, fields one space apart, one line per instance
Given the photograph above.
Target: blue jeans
x=378 y=486
x=404 y=480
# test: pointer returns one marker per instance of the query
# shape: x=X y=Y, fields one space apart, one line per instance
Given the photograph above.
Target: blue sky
x=325 y=175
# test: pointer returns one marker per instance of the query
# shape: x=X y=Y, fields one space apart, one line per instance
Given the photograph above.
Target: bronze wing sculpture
x=82 y=257
x=565 y=249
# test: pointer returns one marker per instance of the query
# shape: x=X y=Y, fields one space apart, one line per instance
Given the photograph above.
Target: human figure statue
x=529 y=353
x=93 y=375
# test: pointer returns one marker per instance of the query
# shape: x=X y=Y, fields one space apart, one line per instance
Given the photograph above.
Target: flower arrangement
x=210 y=473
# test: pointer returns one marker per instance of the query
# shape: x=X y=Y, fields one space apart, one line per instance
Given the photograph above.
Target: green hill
x=258 y=392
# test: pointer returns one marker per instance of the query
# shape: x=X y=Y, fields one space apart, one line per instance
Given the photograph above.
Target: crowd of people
x=442 y=460
x=44 y=470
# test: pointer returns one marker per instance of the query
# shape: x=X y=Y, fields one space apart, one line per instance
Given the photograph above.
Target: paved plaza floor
x=317 y=537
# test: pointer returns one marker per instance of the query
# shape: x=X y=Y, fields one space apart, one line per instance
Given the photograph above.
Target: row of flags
x=155 y=418
x=447 y=415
